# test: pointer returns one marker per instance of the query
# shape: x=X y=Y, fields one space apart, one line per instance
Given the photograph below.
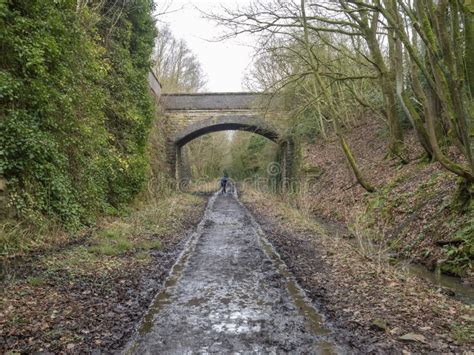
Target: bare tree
x=420 y=51
x=302 y=58
x=432 y=36
x=177 y=68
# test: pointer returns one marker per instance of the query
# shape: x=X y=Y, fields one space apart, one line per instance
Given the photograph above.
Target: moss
x=312 y=170
x=462 y=332
x=464 y=198
x=459 y=256
x=150 y=244
x=36 y=281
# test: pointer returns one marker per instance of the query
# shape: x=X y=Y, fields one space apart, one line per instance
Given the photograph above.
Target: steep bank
x=75 y=110
x=375 y=307
x=415 y=212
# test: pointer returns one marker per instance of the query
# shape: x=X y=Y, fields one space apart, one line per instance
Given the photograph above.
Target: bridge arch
x=194 y=115
x=225 y=123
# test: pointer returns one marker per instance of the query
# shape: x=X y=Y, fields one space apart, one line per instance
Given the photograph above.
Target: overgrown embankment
x=75 y=113
x=416 y=212
x=374 y=306
x=90 y=296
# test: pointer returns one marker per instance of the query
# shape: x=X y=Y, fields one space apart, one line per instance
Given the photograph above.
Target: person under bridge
x=224 y=181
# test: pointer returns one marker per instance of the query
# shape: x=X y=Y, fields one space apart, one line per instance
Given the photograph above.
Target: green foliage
x=462 y=332
x=206 y=155
x=460 y=256
x=251 y=155
x=239 y=156
x=307 y=127
x=35 y=281
x=75 y=110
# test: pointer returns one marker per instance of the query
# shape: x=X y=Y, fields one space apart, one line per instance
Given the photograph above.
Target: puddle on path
x=231 y=292
x=164 y=296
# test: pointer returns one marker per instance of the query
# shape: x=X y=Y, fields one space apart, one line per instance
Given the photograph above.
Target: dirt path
x=229 y=292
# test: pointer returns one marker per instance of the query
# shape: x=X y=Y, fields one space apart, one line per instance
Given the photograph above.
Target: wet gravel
x=226 y=294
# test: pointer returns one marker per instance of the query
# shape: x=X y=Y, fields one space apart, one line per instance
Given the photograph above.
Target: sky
x=224 y=63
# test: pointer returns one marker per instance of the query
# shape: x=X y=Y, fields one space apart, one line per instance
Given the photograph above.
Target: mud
x=230 y=292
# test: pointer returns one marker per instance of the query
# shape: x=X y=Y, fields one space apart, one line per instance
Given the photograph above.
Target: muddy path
x=230 y=292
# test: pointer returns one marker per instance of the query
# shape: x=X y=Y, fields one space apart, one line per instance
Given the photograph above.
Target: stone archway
x=194 y=115
x=250 y=123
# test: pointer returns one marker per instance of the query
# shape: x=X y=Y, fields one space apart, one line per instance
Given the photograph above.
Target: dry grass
x=136 y=234
x=283 y=211
x=19 y=238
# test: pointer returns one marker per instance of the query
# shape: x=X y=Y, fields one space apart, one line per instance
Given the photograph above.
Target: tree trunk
x=387 y=83
x=317 y=79
x=469 y=48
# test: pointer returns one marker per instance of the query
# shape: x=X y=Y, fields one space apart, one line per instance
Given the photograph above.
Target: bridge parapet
x=222 y=101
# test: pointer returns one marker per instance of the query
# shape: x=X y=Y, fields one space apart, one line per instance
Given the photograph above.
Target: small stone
x=413 y=337
x=379 y=324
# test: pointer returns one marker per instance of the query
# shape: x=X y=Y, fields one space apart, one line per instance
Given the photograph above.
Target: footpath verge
x=90 y=296
x=376 y=306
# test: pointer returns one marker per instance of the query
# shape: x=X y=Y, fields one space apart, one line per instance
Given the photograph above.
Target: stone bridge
x=194 y=115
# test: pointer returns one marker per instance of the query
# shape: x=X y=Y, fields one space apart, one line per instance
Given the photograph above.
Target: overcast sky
x=224 y=63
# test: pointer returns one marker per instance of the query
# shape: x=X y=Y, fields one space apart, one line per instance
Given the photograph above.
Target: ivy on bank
x=75 y=109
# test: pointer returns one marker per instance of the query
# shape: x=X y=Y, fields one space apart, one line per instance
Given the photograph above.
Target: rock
x=413 y=337
x=379 y=324
x=446 y=291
